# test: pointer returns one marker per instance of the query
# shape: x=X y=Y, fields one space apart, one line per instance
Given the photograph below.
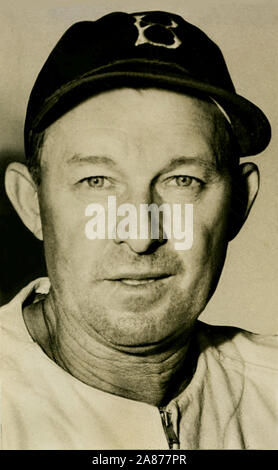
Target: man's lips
x=138 y=279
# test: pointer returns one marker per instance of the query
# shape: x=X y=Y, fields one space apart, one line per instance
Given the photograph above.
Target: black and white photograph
x=139 y=226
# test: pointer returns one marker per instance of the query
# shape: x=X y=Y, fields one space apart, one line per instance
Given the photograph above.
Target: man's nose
x=147 y=235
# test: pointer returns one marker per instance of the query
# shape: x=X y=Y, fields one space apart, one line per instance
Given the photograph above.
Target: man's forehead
x=150 y=126
x=127 y=111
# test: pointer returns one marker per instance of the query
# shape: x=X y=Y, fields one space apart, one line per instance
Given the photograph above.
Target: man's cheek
x=74 y=250
x=206 y=252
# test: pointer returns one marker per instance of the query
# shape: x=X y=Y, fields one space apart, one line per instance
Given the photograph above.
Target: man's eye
x=183 y=181
x=97 y=182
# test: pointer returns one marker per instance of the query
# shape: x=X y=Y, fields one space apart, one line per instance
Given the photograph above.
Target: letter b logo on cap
x=156 y=29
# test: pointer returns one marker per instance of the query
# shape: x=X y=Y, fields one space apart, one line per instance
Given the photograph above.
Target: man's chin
x=140 y=326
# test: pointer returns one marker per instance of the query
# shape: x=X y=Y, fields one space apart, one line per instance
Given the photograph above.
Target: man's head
x=144 y=145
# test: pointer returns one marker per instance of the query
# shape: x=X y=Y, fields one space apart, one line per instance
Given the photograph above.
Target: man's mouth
x=137 y=280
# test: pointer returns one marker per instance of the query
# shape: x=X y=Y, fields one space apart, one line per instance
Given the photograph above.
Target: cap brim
x=250 y=125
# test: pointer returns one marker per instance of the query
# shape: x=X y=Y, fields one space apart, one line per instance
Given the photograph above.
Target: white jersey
x=230 y=403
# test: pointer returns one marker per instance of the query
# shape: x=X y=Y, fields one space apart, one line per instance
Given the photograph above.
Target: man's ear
x=245 y=190
x=22 y=192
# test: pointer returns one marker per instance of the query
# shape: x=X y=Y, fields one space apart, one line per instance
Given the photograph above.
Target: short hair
x=34 y=156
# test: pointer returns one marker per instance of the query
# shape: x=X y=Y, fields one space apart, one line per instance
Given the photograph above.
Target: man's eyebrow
x=210 y=166
x=93 y=159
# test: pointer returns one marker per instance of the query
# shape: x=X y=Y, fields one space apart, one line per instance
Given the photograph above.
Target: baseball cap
x=144 y=49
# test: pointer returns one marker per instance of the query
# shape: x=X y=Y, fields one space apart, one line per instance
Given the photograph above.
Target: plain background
x=247 y=33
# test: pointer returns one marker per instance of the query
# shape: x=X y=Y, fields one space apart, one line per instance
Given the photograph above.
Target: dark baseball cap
x=146 y=49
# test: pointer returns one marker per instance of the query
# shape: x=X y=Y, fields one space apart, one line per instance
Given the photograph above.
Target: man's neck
x=152 y=375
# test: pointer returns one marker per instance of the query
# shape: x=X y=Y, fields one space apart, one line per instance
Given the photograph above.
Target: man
x=107 y=353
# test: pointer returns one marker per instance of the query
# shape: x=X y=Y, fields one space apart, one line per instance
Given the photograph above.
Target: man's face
x=149 y=146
